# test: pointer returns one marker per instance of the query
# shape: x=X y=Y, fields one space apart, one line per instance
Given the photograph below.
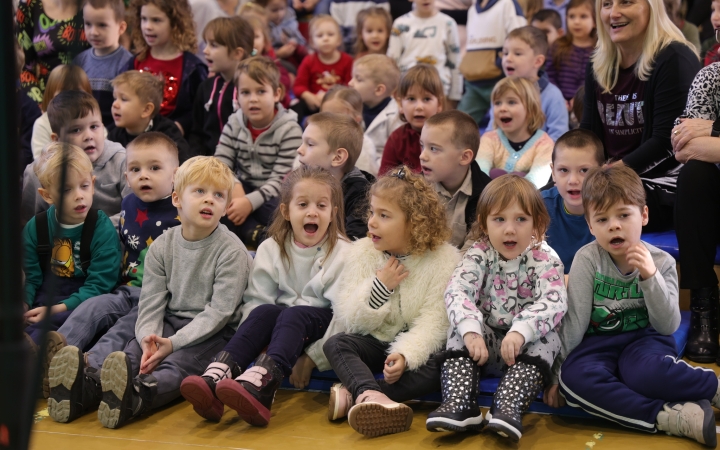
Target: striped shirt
x=571 y=73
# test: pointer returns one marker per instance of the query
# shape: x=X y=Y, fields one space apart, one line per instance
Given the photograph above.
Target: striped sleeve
x=380 y=294
x=228 y=146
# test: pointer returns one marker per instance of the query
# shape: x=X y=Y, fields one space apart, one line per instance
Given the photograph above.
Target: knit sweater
x=202 y=280
x=534 y=158
x=265 y=162
x=569 y=75
x=402 y=147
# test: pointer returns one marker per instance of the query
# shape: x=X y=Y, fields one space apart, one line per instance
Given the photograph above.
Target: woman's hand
x=687 y=130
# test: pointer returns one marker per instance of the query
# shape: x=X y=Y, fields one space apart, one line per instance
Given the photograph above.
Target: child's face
x=510 y=231
x=618 y=228
x=362 y=83
x=257 y=101
x=326 y=38
x=418 y=106
x=388 y=226
x=715 y=14
x=424 y=8
x=568 y=172
x=102 y=29
x=155 y=26
x=150 y=171
x=315 y=150
x=375 y=34
x=339 y=107
x=88 y=133
x=310 y=211
x=128 y=110
x=550 y=31
x=276 y=10
x=200 y=206
x=259 y=41
x=77 y=196
x=510 y=116
x=440 y=160
x=219 y=59
x=580 y=21
x=519 y=59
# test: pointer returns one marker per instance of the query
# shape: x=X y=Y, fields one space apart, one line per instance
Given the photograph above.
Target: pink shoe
x=340 y=402
x=374 y=414
x=200 y=390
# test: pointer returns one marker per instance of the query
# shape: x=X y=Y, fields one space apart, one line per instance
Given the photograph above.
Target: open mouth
x=615 y=26
x=426 y=170
x=310 y=228
x=617 y=242
x=419 y=118
x=116 y=117
x=254 y=109
x=145 y=188
x=80 y=208
x=206 y=213
x=506 y=120
x=209 y=61
x=510 y=70
x=574 y=192
x=150 y=36
x=509 y=244
x=90 y=149
x=374 y=237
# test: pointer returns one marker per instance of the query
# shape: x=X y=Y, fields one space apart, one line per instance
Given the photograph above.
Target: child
x=75 y=118
x=261 y=123
x=288 y=42
x=618 y=357
x=374 y=25
x=139 y=363
x=323 y=69
x=347 y=13
x=559 y=6
x=333 y=142
x=711 y=46
x=65 y=77
x=570 y=54
x=575 y=153
x=419 y=96
x=164 y=37
x=504 y=301
x=523 y=56
x=518 y=144
x=449 y=143
x=71 y=252
x=104 y=24
x=376 y=77
x=229 y=41
x=348 y=102
x=390 y=303
x=135 y=110
x=425 y=35
x=287 y=304
x=488 y=24
x=549 y=22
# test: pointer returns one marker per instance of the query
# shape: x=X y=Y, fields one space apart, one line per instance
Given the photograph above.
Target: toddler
x=373 y=29
x=549 y=22
x=346 y=13
x=288 y=42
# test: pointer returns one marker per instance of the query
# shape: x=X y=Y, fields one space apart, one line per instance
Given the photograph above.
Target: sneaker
x=340 y=402
x=695 y=420
x=374 y=414
x=55 y=343
x=73 y=389
x=200 y=390
x=120 y=400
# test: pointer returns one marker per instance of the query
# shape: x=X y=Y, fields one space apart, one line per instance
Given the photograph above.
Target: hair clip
x=400 y=174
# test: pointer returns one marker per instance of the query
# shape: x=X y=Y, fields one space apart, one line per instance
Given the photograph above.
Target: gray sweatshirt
x=602 y=301
x=201 y=280
x=110 y=185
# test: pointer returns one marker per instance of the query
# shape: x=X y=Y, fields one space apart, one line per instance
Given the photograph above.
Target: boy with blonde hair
x=139 y=363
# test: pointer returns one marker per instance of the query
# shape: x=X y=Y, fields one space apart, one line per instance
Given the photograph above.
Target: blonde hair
x=65 y=77
x=365 y=14
x=257 y=21
x=349 y=97
x=501 y=193
x=204 y=169
x=424 y=212
x=48 y=167
x=425 y=77
x=320 y=19
x=148 y=87
x=383 y=70
x=610 y=184
x=659 y=34
x=182 y=27
x=340 y=132
x=529 y=95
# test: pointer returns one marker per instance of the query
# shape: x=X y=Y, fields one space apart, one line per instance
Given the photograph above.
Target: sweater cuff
x=469 y=326
x=176 y=343
x=525 y=330
x=380 y=294
x=256 y=199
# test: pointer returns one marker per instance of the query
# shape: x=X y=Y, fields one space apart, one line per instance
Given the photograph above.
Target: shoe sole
x=196 y=391
x=709 y=430
x=55 y=343
x=236 y=397
x=64 y=375
x=374 y=419
x=502 y=428
x=701 y=359
x=435 y=424
x=116 y=390
x=334 y=412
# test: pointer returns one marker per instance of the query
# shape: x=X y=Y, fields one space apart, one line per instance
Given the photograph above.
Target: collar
x=377 y=108
x=465 y=187
x=398 y=257
x=149 y=127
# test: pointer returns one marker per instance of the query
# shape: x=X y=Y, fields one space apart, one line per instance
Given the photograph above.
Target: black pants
x=697 y=223
x=355 y=358
x=661 y=207
x=257 y=220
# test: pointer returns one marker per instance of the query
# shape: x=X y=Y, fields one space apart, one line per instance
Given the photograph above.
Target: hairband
x=400 y=174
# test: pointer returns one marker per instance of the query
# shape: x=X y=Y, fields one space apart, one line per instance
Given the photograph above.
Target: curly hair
x=182 y=27
x=424 y=212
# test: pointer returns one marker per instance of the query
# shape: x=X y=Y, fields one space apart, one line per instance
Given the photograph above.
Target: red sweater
x=402 y=147
x=314 y=76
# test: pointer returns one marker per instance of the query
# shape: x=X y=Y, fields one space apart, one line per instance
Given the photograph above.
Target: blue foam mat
x=667 y=241
x=323 y=381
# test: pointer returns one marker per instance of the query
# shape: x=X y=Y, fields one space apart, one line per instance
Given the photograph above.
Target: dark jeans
x=355 y=358
x=285 y=331
x=697 y=223
x=62 y=289
x=661 y=207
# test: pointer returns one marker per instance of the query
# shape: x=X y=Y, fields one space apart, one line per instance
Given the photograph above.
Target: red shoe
x=200 y=390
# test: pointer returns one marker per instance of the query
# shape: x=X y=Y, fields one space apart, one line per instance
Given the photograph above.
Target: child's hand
x=638 y=256
x=476 y=347
x=239 y=210
x=35 y=315
x=311 y=100
x=510 y=347
x=287 y=49
x=155 y=349
x=394 y=367
x=392 y=274
x=552 y=397
x=300 y=376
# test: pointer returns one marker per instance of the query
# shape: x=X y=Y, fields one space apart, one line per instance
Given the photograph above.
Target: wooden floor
x=299 y=422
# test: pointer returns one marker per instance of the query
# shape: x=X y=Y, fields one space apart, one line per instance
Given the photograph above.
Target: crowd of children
x=339 y=191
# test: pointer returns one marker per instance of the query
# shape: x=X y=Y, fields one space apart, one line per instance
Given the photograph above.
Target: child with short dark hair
x=549 y=22
x=618 y=359
x=449 y=143
x=574 y=154
x=136 y=110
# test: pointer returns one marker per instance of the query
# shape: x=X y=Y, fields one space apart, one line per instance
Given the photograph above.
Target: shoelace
x=682 y=423
x=217 y=371
x=253 y=375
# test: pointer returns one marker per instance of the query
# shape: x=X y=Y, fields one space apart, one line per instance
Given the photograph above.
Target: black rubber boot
x=702 y=345
x=459 y=410
x=520 y=385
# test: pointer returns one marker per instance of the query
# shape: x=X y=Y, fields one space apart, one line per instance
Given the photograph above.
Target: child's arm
x=291 y=28
x=391 y=153
x=556 y=113
x=463 y=290
x=302 y=80
x=540 y=171
x=395 y=45
x=263 y=283
x=154 y=296
x=486 y=153
x=228 y=146
x=452 y=49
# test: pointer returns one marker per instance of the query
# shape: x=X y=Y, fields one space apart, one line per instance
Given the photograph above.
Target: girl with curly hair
x=164 y=38
x=390 y=308
x=504 y=301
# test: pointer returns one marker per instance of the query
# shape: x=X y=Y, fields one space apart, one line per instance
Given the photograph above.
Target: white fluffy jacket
x=414 y=319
